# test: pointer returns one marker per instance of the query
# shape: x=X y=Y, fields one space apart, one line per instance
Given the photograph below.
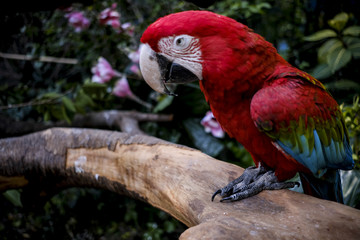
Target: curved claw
x=226 y=199
x=215 y=193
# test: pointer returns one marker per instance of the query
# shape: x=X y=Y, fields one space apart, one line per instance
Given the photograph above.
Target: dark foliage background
x=38 y=91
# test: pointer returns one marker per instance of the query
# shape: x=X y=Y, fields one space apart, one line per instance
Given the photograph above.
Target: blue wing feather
x=321 y=157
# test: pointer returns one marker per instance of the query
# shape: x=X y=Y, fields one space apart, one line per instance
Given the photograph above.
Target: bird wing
x=304 y=122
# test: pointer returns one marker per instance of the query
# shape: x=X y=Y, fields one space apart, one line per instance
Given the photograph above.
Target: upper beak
x=158 y=70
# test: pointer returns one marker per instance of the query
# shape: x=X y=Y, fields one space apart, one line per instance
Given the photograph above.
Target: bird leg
x=251 y=182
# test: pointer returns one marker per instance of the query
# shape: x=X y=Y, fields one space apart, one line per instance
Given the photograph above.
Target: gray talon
x=215 y=193
x=250 y=183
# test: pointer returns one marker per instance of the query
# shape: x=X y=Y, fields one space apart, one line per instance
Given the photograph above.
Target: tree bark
x=127 y=121
x=174 y=178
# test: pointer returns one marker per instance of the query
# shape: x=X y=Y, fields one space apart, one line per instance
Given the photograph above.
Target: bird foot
x=251 y=182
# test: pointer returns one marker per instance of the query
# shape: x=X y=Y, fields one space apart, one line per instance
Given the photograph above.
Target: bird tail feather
x=327 y=187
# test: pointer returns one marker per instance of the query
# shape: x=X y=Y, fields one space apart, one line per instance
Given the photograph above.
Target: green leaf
x=242 y=156
x=65 y=115
x=68 y=104
x=320 y=35
x=354 y=48
x=56 y=111
x=351 y=187
x=202 y=140
x=264 y=5
x=322 y=71
x=164 y=102
x=348 y=40
x=339 y=21
x=352 y=31
x=51 y=95
x=343 y=84
x=328 y=47
x=192 y=100
x=169 y=226
x=94 y=85
x=95 y=89
x=14 y=197
x=47 y=116
x=338 y=59
x=82 y=100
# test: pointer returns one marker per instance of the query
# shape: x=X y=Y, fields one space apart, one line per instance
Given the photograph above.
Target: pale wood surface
x=174 y=178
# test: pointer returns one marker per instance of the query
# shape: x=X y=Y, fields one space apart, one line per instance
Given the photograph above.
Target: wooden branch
x=174 y=178
x=110 y=118
x=49 y=59
x=126 y=121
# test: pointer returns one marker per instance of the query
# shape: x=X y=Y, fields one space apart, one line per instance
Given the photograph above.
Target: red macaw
x=284 y=117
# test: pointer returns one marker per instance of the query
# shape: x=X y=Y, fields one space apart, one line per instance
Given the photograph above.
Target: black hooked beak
x=172 y=72
x=157 y=70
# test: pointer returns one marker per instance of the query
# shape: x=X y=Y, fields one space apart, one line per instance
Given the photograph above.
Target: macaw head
x=192 y=45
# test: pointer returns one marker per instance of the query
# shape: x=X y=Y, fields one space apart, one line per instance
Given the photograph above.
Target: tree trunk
x=174 y=178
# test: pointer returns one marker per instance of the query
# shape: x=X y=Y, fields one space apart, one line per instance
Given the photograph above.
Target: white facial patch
x=184 y=50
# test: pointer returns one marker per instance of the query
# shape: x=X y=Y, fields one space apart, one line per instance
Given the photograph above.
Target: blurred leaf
x=322 y=71
x=192 y=100
x=82 y=100
x=51 y=95
x=14 y=197
x=352 y=121
x=68 y=104
x=131 y=214
x=235 y=8
x=56 y=111
x=47 y=116
x=264 y=5
x=320 y=35
x=169 y=226
x=339 y=21
x=351 y=187
x=354 y=48
x=352 y=31
x=202 y=140
x=94 y=89
x=338 y=59
x=242 y=156
x=343 y=85
x=328 y=47
x=65 y=115
x=164 y=102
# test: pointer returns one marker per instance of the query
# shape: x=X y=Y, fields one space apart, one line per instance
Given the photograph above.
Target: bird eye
x=181 y=41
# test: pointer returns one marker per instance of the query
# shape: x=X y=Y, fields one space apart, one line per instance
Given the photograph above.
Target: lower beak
x=158 y=70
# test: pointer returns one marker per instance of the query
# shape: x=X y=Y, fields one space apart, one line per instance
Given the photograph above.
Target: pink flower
x=103 y=72
x=78 y=21
x=211 y=125
x=110 y=16
x=135 y=56
x=122 y=88
x=135 y=69
x=128 y=28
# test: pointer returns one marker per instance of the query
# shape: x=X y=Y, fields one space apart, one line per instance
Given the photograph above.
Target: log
x=174 y=178
x=126 y=121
